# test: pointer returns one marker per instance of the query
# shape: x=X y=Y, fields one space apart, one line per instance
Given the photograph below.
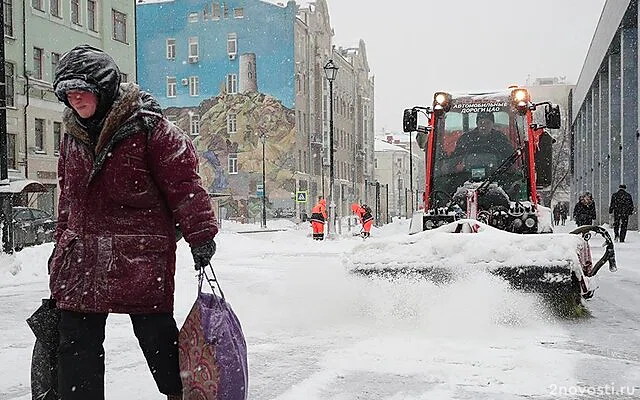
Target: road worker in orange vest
x=318 y=218
x=366 y=217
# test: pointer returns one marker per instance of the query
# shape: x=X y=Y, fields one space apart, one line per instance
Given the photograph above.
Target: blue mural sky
x=264 y=29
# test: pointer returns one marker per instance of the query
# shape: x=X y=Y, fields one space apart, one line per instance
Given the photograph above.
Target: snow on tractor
x=485 y=160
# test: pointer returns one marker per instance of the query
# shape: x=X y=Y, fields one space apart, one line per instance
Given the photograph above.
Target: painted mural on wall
x=231 y=128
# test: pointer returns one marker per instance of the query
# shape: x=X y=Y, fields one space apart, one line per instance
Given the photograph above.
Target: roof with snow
x=383 y=145
x=153 y=1
x=283 y=3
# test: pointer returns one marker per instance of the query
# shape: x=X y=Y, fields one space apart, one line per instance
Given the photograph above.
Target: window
x=37 y=63
x=119 y=26
x=9 y=90
x=55 y=58
x=215 y=11
x=75 y=11
x=171 y=86
x=225 y=11
x=194 y=124
x=91 y=15
x=57 y=132
x=171 y=49
x=233 y=163
x=54 y=8
x=39 y=131
x=38 y=4
x=124 y=78
x=231 y=123
x=238 y=12
x=172 y=118
x=8 y=17
x=193 y=17
x=193 y=49
x=194 y=86
x=232 y=45
x=11 y=151
x=232 y=83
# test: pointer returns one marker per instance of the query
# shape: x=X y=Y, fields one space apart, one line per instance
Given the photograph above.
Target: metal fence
x=376 y=195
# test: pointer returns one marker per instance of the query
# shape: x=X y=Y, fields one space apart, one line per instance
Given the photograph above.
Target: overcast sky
x=416 y=47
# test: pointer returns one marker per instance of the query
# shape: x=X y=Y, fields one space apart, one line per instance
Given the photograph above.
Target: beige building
x=353 y=112
x=36 y=33
x=392 y=170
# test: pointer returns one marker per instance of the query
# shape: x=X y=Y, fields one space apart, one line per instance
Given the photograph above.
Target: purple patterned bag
x=213 y=351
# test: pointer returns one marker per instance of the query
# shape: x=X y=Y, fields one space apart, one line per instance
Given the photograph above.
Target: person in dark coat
x=484 y=139
x=127 y=177
x=556 y=214
x=584 y=211
x=621 y=207
x=564 y=210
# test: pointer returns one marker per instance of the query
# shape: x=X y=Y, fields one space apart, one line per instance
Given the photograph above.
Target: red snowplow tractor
x=485 y=159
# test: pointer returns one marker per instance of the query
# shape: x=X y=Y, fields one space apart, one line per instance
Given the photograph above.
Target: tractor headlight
x=441 y=102
x=530 y=222
x=520 y=99
x=520 y=95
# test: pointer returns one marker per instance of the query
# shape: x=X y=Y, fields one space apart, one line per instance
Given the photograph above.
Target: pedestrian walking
x=564 y=211
x=621 y=207
x=318 y=218
x=584 y=211
x=127 y=178
x=556 y=214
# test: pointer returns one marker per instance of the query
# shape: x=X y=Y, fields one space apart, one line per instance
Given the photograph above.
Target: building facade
x=36 y=34
x=604 y=111
x=392 y=170
x=555 y=90
x=246 y=79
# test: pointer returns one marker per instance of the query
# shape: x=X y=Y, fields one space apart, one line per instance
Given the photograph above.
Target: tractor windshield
x=472 y=140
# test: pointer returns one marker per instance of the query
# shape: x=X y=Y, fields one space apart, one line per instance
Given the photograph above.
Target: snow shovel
x=213 y=351
x=44 y=360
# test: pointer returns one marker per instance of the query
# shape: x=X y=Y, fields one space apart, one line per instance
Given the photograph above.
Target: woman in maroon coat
x=127 y=179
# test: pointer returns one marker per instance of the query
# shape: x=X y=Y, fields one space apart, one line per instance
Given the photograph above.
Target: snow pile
x=486 y=249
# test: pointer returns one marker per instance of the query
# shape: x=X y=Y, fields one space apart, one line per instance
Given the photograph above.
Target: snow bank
x=488 y=248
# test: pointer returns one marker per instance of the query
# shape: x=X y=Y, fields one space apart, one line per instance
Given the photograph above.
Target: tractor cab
x=481 y=153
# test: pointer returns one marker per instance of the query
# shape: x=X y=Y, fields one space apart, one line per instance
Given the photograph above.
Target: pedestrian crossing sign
x=301 y=196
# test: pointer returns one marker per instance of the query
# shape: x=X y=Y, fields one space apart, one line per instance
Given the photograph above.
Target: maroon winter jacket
x=115 y=237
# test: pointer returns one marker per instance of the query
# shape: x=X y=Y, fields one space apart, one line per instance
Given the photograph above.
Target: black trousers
x=81 y=353
x=620 y=226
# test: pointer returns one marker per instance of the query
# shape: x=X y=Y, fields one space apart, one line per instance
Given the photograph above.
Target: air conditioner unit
x=232 y=56
x=193 y=59
x=185 y=81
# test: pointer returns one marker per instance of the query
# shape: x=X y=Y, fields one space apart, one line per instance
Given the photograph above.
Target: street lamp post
x=330 y=71
x=411 y=172
x=5 y=198
x=263 y=139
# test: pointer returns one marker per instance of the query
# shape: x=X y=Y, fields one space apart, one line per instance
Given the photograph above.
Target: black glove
x=203 y=253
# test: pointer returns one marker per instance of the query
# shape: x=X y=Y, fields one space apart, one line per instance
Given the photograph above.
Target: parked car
x=32 y=226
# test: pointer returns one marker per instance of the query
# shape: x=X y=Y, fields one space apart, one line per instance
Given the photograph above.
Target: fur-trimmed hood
x=89 y=69
x=133 y=111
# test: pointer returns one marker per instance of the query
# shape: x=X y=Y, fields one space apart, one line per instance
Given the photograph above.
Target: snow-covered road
x=316 y=332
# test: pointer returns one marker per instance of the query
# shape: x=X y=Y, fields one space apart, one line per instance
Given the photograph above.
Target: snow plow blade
x=547 y=264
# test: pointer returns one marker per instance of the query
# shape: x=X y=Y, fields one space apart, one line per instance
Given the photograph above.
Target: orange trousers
x=366 y=228
x=318 y=230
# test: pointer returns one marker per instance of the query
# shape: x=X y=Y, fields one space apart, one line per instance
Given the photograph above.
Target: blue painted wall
x=266 y=30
